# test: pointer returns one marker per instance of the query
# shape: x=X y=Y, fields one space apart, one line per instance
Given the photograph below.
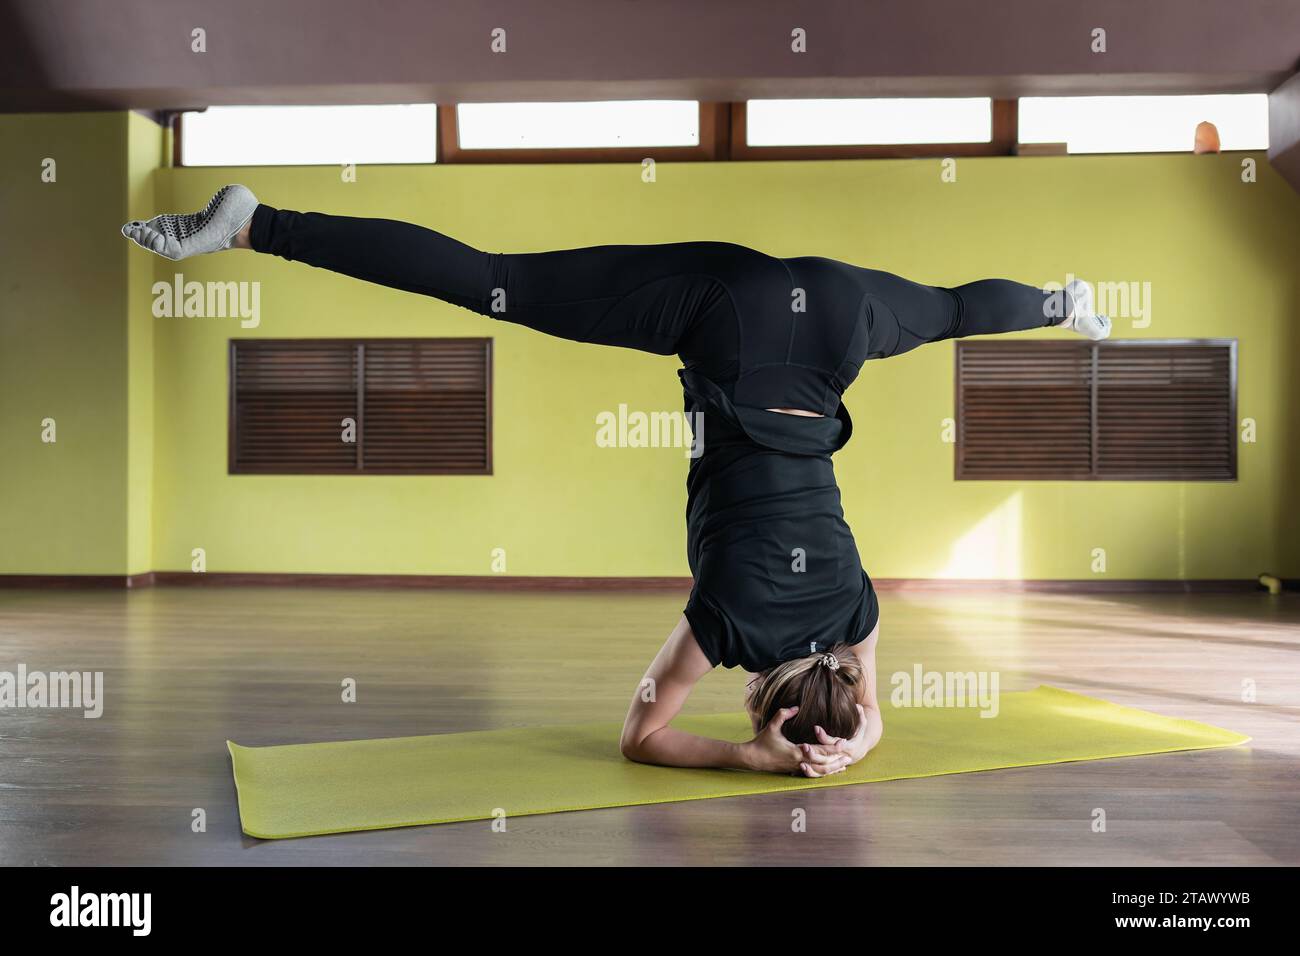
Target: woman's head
x=825 y=688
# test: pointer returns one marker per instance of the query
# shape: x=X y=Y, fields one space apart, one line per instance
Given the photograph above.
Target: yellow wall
x=62 y=345
x=137 y=479
x=145 y=145
x=1219 y=254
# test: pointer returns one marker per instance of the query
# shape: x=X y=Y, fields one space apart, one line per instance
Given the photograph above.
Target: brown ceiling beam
x=60 y=54
x=1284 y=130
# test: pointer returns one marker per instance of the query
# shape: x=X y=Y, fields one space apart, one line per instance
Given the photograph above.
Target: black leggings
x=721 y=307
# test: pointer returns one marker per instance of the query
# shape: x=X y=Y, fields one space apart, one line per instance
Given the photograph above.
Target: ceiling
x=136 y=54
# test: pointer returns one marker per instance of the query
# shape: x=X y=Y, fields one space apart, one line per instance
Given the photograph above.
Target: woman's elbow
x=629 y=746
x=632 y=746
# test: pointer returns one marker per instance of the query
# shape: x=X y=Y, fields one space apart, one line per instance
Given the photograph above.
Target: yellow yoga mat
x=306 y=789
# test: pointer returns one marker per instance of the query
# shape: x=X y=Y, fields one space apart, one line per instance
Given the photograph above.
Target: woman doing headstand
x=768 y=348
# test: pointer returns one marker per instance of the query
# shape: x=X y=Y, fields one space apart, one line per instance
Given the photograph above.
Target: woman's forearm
x=875 y=729
x=669 y=747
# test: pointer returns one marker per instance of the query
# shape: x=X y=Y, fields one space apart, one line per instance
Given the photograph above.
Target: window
x=614 y=131
x=578 y=125
x=308 y=135
x=1138 y=124
x=691 y=130
x=849 y=122
x=360 y=406
x=1127 y=410
x=872 y=128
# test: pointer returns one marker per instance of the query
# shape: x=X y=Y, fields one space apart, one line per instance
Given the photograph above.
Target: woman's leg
x=990 y=306
x=641 y=297
x=655 y=298
x=910 y=315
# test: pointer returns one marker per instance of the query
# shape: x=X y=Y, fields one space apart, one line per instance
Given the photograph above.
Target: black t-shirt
x=777 y=573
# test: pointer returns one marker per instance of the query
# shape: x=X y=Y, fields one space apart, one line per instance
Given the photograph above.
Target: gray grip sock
x=210 y=230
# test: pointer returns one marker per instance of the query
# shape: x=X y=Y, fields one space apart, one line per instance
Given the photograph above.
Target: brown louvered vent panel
x=1024 y=410
x=1166 y=411
x=1127 y=410
x=426 y=406
x=420 y=406
x=289 y=403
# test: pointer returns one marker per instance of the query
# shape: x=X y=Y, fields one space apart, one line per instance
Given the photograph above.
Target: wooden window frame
x=723 y=128
x=232 y=467
x=1096 y=347
x=722 y=137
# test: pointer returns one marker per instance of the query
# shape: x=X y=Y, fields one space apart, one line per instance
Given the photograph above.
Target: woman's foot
x=1083 y=317
x=221 y=224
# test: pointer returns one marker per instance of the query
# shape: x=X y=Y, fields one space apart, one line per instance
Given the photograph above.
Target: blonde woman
x=768 y=346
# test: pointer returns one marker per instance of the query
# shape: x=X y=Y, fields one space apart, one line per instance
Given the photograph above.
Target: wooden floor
x=187 y=668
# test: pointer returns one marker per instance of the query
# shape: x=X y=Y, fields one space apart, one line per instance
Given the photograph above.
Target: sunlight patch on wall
x=992 y=548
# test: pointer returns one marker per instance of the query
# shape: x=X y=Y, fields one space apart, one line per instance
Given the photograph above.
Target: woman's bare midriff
x=796 y=411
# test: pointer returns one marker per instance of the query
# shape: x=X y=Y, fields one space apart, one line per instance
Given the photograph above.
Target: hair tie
x=831 y=661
